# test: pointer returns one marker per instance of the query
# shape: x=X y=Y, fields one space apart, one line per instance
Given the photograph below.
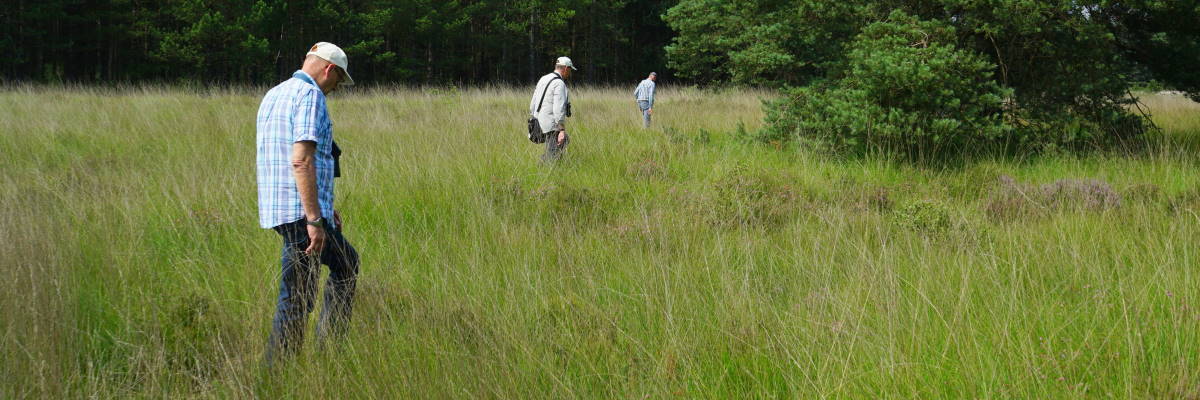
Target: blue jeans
x=644 y=105
x=298 y=289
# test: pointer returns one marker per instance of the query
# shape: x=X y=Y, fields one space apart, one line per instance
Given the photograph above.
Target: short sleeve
x=304 y=121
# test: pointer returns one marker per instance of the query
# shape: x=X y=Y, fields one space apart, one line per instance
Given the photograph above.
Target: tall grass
x=678 y=261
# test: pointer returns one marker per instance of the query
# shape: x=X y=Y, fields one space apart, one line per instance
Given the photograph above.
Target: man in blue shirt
x=296 y=167
x=644 y=95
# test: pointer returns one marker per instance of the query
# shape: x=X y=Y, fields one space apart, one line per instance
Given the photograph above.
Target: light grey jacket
x=553 y=114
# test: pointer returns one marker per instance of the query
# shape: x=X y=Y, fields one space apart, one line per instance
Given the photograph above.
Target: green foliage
x=1162 y=37
x=759 y=42
x=207 y=42
x=923 y=216
x=936 y=76
x=388 y=41
x=907 y=86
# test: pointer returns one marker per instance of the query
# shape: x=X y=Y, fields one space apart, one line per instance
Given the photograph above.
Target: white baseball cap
x=565 y=61
x=330 y=52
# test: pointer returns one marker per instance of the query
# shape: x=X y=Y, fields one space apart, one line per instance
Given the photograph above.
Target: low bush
x=755 y=199
x=1011 y=199
x=923 y=216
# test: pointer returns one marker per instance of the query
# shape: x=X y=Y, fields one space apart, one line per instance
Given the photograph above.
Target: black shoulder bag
x=535 y=128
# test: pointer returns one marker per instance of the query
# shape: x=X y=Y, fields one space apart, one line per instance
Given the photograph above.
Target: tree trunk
x=532 y=56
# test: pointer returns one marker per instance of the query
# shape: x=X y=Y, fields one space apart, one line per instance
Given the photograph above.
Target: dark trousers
x=298 y=289
x=553 y=149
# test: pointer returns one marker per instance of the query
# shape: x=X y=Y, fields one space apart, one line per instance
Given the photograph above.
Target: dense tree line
x=796 y=42
x=388 y=41
x=939 y=76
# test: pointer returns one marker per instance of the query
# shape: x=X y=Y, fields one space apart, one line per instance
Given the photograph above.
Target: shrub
x=756 y=199
x=907 y=87
x=931 y=78
x=1011 y=199
x=923 y=216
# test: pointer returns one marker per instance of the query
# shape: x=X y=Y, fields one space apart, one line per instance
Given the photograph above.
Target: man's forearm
x=305 y=172
x=306 y=185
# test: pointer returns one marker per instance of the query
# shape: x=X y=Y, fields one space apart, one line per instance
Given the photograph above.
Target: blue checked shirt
x=291 y=112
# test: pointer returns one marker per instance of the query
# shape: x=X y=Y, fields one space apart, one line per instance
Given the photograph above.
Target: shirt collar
x=301 y=75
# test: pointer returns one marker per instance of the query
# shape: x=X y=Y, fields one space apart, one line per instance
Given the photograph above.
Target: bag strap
x=547 y=89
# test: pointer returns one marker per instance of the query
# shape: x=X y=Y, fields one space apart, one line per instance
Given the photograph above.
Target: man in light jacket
x=551 y=106
x=644 y=95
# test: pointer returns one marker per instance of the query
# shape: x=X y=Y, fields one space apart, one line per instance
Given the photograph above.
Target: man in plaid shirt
x=296 y=167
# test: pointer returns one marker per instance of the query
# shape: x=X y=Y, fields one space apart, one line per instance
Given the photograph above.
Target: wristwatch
x=319 y=222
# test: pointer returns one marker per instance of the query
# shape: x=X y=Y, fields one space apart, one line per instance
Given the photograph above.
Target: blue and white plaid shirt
x=291 y=112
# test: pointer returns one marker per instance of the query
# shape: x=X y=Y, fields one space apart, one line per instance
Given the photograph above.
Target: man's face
x=653 y=78
x=329 y=78
x=566 y=72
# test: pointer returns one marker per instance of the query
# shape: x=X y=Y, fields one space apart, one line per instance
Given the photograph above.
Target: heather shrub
x=1011 y=199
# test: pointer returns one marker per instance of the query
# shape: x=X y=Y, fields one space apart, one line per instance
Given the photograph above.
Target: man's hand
x=316 y=240
x=562 y=135
x=337 y=219
x=649 y=111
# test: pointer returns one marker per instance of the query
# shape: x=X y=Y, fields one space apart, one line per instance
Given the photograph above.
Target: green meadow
x=682 y=261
